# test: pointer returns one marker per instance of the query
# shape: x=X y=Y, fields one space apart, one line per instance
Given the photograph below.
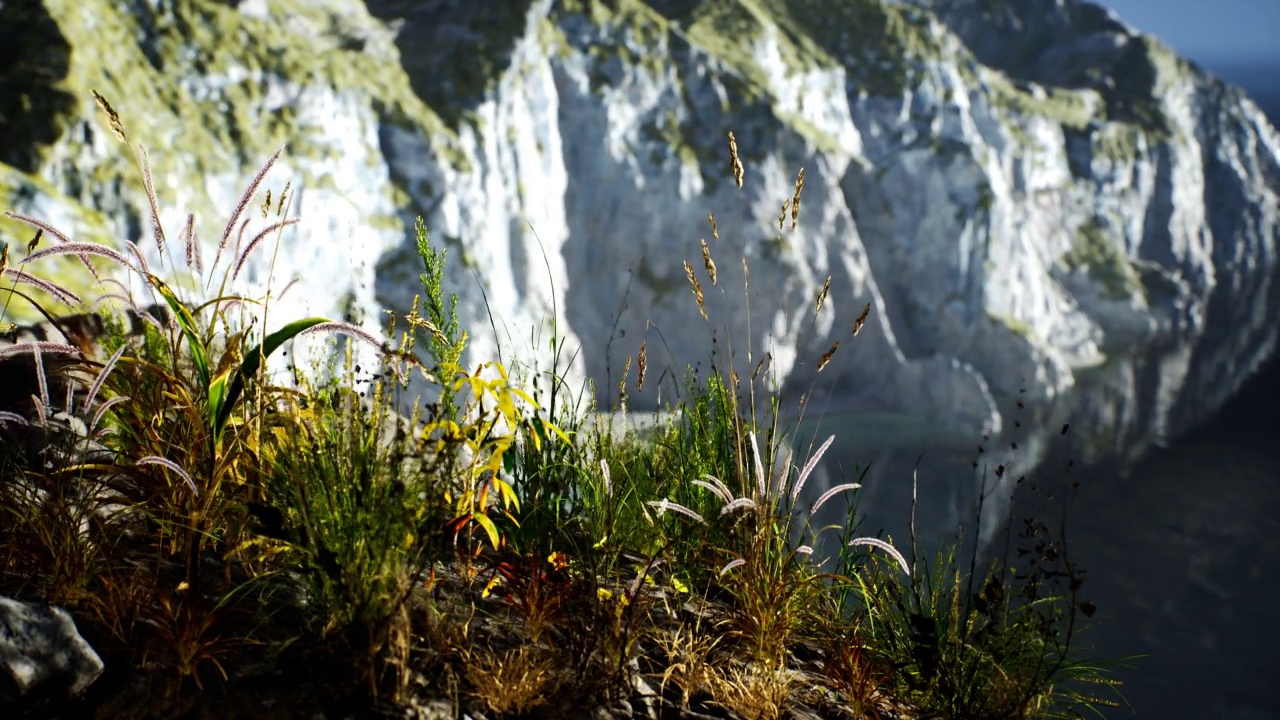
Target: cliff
x=1033 y=199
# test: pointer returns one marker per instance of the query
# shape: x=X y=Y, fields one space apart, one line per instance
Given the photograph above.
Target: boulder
x=41 y=653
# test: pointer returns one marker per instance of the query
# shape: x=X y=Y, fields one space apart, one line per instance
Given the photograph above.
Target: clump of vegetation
x=230 y=540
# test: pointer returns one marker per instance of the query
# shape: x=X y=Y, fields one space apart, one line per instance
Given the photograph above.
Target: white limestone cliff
x=1103 y=213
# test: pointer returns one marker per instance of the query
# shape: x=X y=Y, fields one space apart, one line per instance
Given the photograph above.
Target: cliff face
x=1030 y=200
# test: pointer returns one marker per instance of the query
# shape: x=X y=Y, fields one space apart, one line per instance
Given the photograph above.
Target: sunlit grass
x=500 y=547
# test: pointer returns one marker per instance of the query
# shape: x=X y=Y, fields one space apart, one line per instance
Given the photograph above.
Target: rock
x=42 y=654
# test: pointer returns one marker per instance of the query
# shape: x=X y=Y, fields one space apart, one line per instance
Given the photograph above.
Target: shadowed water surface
x=1182 y=553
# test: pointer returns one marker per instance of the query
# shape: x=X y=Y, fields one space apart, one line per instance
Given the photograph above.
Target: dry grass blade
x=853 y=673
x=753 y=692
x=857 y=324
x=113 y=118
x=697 y=287
x=735 y=164
x=622 y=384
x=822 y=296
x=764 y=362
x=511 y=683
x=826 y=356
x=687 y=658
x=795 y=200
x=708 y=263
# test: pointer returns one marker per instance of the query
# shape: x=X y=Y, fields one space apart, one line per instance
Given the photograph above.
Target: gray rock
x=41 y=653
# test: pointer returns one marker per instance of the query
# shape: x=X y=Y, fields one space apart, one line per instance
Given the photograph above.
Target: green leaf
x=199 y=353
x=253 y=360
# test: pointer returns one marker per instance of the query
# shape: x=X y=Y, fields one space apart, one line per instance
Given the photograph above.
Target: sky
x=1211 y=32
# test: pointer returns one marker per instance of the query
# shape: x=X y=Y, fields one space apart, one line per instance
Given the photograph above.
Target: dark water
x=1183 y=558
x=1183 y=555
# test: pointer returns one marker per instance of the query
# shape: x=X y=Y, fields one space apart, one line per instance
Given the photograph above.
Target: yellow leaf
x=524 y=396
x=508 y=495
x=490 y=529
x=497 y=579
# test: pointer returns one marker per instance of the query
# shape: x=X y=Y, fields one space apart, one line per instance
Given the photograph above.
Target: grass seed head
x=857 y=324
x=822 y=296
x=642 y=364
x=795 y=200
x=708 y=263
x=113 y=118
x=826 y=356
x=735 y=164
x=697 y=287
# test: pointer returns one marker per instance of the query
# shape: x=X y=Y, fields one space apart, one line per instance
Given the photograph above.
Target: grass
x=223 y=540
